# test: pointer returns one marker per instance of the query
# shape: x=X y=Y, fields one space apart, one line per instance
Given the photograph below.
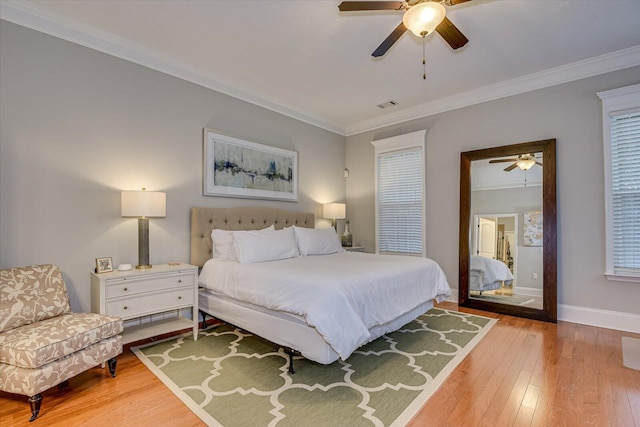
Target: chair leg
x=35 y=401
x=112 y=366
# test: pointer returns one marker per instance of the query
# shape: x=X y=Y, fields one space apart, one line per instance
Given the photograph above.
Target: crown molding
x=609 y=62
x=30 y=15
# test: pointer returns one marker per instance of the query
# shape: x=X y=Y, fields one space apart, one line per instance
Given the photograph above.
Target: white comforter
x=341 y=295
x=491 y=270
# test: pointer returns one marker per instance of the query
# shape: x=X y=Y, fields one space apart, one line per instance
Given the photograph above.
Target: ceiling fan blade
x=390 y=40
x=538 y=163
x=502 y=160
x=455 y=2
x=451 y=34
x=510 y=168
x=350 y=6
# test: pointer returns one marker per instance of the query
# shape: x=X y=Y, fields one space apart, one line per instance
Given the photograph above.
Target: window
x=400 y=207
x=621 y=127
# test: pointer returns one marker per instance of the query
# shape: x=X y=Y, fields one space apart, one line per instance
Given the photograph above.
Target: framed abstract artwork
x=237 y=168
x=533 y=228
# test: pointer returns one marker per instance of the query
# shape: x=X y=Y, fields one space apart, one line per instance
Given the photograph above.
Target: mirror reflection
x=506 y=239
x=508 y=230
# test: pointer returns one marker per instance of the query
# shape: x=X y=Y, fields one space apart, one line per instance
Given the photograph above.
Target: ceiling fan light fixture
x=525 y=164
x=423 y=18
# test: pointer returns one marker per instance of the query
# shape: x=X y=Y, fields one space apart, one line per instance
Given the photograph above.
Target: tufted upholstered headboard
x=203 y=220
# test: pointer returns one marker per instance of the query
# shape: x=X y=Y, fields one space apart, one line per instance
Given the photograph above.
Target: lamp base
x=143 y=244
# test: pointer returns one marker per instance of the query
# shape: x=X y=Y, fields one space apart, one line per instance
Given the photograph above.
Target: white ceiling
x=306 y=59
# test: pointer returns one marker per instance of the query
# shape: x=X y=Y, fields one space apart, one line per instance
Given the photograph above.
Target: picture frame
x=233 y=167
x=533 y=228
x=104 y=265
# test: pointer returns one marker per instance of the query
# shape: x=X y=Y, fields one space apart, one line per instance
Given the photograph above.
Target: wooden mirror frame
x=550 y=297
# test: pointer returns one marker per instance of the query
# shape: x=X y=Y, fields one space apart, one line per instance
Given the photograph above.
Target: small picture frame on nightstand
x=104 y=265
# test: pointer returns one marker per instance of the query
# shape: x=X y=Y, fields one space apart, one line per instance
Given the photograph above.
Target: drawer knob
x=179 y=280
x=125 y=307
x=180 y=297
x=125 y=289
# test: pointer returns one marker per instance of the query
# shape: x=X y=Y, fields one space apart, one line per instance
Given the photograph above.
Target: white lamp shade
x=423 y=18
x=334 y=210
x=144 y=204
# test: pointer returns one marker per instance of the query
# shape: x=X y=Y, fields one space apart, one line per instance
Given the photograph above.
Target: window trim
x=398 y=143
x=613 y=101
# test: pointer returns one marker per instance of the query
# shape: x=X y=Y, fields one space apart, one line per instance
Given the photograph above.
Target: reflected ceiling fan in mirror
x=523 y=161
x=421 y=17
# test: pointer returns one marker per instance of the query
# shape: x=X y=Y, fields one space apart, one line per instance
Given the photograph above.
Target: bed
x=293 y=301
x=488 y=274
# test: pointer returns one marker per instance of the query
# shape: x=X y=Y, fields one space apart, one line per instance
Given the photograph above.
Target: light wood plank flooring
x=523 y=373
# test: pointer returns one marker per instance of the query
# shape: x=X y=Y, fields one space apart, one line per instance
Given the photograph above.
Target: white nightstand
x=153 y=297
x=353 y=248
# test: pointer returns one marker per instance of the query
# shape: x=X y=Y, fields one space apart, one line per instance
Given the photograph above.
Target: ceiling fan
x=523 y=161
x=421 y=17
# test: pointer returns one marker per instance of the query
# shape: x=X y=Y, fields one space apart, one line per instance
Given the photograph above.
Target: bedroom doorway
x=486 y=232
x=496 y=237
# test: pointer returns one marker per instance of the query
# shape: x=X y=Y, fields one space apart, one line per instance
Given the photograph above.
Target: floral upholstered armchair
x=42 y=343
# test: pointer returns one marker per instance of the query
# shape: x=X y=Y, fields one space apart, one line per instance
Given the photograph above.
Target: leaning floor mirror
x=508 y=230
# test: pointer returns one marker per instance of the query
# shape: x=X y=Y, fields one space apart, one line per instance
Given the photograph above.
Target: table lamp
x=143 y=205
x=334 y=211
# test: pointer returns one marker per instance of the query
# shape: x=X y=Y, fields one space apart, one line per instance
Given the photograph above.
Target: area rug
x=505 y=299
x=231 y=378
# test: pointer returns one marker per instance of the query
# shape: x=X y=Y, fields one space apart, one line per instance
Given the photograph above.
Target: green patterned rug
x=231 y=378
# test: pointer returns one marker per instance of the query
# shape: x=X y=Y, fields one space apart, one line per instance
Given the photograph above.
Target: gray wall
x=571 y=113
x=78 y=126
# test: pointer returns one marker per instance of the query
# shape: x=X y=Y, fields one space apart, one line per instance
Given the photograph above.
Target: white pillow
x=223 y=243
x=317 y=241
x=252 y=246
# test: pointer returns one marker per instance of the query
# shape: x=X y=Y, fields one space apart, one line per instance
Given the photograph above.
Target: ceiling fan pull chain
x=424 y=62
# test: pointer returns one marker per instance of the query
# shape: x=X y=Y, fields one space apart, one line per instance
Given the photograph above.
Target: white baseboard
x=608 y=319
x=627 y=322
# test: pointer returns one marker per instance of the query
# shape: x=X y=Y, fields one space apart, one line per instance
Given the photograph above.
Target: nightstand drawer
x=146 y=304
x=128 y=286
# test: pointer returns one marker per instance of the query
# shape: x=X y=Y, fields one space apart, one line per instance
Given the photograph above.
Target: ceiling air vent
x=387 y=104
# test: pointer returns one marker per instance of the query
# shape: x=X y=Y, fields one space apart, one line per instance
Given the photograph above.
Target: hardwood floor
x=523 y=373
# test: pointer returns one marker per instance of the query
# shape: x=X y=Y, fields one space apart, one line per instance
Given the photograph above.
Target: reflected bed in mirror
x=508 y=230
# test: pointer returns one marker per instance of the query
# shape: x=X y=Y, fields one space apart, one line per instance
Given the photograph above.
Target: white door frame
x=514 y=244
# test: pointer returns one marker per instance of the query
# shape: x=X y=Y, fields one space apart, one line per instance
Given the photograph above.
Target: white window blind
x=621 y=140
x=625 y=191
x=400 y=201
